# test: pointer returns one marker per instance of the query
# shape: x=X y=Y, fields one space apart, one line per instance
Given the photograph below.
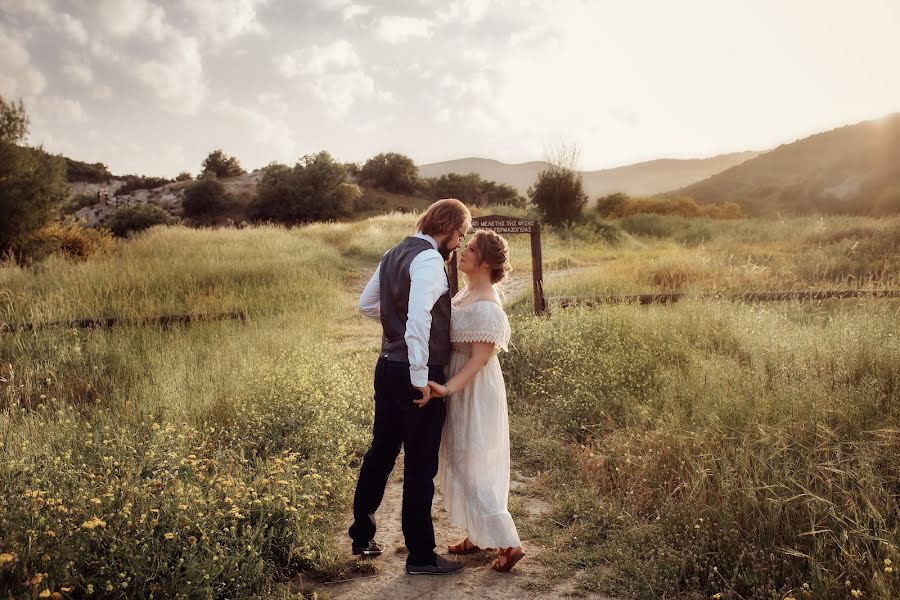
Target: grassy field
x=704 y=448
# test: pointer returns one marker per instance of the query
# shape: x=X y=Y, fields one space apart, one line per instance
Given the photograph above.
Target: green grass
x=228 y=449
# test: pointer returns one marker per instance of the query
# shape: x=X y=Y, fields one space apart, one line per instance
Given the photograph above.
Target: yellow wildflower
x=44 y=594
x=6 y=557
x=856 y=593
x=169 y=536
x=93 y=523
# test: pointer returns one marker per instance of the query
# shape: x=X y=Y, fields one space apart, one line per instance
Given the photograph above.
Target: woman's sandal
x=464 y=547
x=507 y=559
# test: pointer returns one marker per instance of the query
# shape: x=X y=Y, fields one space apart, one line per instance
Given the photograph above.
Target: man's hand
x=426 y=396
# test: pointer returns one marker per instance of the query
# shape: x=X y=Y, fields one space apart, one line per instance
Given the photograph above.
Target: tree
x=13 y=121
x=611 y=205
x=183 y=176
x=221 y=164
x=32 y=182
x=314 y=189
x=204 y=199
x=558 y=192
x=391 y=172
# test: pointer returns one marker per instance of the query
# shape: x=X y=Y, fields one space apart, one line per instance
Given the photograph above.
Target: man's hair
x=444 y=216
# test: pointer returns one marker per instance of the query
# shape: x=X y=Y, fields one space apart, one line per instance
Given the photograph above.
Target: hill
x=854 y=169
x=652 y=177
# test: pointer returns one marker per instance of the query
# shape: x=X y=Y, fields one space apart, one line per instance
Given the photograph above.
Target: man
x=410 y=294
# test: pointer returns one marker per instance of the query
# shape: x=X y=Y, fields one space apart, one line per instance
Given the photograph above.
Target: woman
x=474 y=454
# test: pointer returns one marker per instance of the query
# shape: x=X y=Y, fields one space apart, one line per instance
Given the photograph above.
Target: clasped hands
x=432 y=390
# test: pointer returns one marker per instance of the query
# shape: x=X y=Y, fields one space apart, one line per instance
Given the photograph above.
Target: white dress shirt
x=428 y=282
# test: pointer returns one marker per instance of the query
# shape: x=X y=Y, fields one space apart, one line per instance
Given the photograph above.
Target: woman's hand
x=437 y=390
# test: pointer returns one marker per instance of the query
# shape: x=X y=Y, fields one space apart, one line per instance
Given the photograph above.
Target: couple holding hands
x=440 y=394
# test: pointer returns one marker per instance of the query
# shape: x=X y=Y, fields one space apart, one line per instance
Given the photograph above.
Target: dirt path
x=388 y=578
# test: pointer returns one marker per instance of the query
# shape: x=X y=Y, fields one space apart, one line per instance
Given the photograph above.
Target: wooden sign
x=506 y=225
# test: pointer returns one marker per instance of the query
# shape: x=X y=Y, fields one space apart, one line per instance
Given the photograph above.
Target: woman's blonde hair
x=445 y=216
x=492 y=249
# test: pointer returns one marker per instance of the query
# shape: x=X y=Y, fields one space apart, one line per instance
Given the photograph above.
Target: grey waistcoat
x=394 y=284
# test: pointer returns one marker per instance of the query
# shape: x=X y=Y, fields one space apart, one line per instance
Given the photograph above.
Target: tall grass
x=720 y=448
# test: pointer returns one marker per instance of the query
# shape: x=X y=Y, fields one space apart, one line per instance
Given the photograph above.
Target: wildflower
x=44 y=594
x=856 y=593
x=717 y=595
x=93 y=523
x=37 y=579
x=90 y=588
x=6 y=557
x=169 y=536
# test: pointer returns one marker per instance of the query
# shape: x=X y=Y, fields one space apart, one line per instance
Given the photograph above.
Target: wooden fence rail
x=163 y=320
x=666 y=298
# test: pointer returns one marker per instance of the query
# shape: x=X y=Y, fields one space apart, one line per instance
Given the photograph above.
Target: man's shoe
x=372 y=549
x=442 y=566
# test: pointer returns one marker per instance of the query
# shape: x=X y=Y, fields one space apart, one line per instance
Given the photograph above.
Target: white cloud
x=465 y=12
x=176 y=75
x=331 y=4
x=367 y=127
x=18 y=77
x=121 y=18
x=79 y=73
x=221 y=21
x=340 y=91
x=54 y=108
x=399 y=30
x=336 y=56
x=256 y=126
x=101 y=92
x=351 y=11
x=524 y=36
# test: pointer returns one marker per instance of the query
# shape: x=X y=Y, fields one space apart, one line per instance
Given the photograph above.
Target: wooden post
x=537 y=271
x=453 y=272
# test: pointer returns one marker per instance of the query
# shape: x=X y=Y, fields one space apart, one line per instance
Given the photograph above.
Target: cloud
x=101 y=92
x=337 y=56
x=176 y=76
x=121 y=18
x=55 y=108
x=399 y=30
x=221 y=21
x=351 y=11
x=338 y=92
x=79 y=73
x=464 y=12
x=524 y=36
x=18 y=77
x=256 y=126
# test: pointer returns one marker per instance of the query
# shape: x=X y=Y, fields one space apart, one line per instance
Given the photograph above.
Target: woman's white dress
x=474 y=454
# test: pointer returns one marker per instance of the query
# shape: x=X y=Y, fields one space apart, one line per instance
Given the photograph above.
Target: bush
x=70 y=239
x=204 y=199
x=689 y=232
x=140 y=182
x=391 y=172
x=90 y=173
x=79 y=201
x=471 y=189
x=221 y=165
x=136 y=218
x=315 y=189
x=620 y=205
x=558 y=192
x=183 y=176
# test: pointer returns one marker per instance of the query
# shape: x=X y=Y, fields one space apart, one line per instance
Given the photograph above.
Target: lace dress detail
x=474 y=454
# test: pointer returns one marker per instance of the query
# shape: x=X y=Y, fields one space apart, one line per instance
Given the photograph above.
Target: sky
x=152 y=86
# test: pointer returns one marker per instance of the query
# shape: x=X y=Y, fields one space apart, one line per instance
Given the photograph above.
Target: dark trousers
x=398 y=421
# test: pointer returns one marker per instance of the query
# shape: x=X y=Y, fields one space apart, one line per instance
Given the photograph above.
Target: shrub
x=620 y=205
x=204 y=199
x=78 y=202
x=391 y=172
x=471 y=189
x=689 y=232
x=558 y=192
x=136 y=218
x=221 y=165
x=183 y=176
x=140 y=182
x=69 y=238
x=91 y=173
x=315 y=189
